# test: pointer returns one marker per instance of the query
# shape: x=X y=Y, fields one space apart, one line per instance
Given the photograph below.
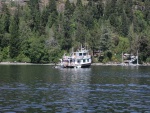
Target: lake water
x=43 y=89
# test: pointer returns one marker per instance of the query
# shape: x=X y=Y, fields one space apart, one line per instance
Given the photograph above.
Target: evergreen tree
x=87 y=19
x=120 y=6
x=94 y=38
x=35 y=13
x=6 y=18
x=110 y=8
x=69 y=9
x=139 y=22
x=147 y=11
x=129 y=10
x=105 y=40
x=99 y=12
x=144 y=47
x=37 y=51
x=14 y=41
x=4 y=26
x=79 y=3
x=81 y=33
x=25 y=35
x=52 y=11
x=124 y=24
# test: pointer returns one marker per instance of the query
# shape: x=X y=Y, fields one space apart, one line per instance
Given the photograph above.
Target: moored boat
x=78 y=59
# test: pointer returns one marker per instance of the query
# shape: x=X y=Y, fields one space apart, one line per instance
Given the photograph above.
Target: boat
x=79 y=59
x=130 y=59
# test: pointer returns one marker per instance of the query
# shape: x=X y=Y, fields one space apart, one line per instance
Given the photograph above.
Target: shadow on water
x=97 y=89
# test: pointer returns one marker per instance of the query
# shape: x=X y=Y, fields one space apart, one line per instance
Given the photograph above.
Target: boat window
x=83 y=60
x=80 y=54
x=87 y=60
x=78 y=61
x=84 y=54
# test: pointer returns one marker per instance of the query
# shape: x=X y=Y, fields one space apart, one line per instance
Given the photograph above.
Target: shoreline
x=93 y=64
x=24 y=63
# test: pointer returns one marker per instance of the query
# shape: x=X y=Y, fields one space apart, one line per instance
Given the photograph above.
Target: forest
x=39 y=33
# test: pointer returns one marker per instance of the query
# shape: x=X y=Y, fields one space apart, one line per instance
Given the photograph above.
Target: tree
x=105 y=40
x=4 y=26
x=6 y=18
x=129 y=9
x=25 y=36
x=35 y=15
x=124 y=24
x=120 y=6
x=144 y=48
x=139 y=22
x=69 y=8
x=14 y=31
x=147 y=11
x=79 y=3
x=52 y=11
x=99 y=10
x=94 y=38
x=37 y=51
x=110 y=8
x=81 y=33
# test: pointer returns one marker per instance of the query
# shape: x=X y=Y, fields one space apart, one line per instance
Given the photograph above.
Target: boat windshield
x=84 y=54
x=80 y=54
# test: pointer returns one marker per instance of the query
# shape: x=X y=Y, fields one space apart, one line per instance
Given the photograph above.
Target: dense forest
x=39 y=33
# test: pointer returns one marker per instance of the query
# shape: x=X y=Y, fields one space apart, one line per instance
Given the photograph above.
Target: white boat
x=78 y=59
x=130 y=60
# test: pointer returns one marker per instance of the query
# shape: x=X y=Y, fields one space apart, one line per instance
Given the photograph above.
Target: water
x=43 y=89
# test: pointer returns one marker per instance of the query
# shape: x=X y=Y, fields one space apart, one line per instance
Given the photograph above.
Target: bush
x=148 y=60
x=23 y=58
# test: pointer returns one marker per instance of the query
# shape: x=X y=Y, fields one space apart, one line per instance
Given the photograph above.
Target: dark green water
x=43 y=89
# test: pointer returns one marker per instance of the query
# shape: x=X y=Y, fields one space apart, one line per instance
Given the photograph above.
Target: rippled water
x=39 y=88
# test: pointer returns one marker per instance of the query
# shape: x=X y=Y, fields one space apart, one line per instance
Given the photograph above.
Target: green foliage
x=40 y=34
x=22 y=58
x=148 y=60
x=124 y=24
x=37 y=51
x=139 y=22
x=14 y=41
x=105 y=40
x=144 y=47
x=5 y=53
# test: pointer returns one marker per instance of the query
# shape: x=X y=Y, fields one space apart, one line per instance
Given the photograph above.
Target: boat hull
x=79 y=66
x=85 y=65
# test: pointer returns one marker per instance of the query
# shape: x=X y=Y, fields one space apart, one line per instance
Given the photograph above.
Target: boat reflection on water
x=76 y=75
x=76 y=86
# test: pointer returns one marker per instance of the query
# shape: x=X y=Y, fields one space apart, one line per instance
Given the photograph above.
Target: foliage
x=40 y=34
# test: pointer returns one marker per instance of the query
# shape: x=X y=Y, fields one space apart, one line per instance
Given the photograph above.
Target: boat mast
x=122 y=57
x=137 y=57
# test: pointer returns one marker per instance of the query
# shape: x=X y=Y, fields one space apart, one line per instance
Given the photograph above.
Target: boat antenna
x=122 y=58
x=137 y=58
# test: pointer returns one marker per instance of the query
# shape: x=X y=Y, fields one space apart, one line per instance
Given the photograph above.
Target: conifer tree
x=79 y=3
x=147 y=11
x=35 y=13
x=105 y=40
x=52 y=11
x=120 y=6
x=124 y=24
x=14 y=41
x=6 y=17
x=129 y=10
x=110 y=8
